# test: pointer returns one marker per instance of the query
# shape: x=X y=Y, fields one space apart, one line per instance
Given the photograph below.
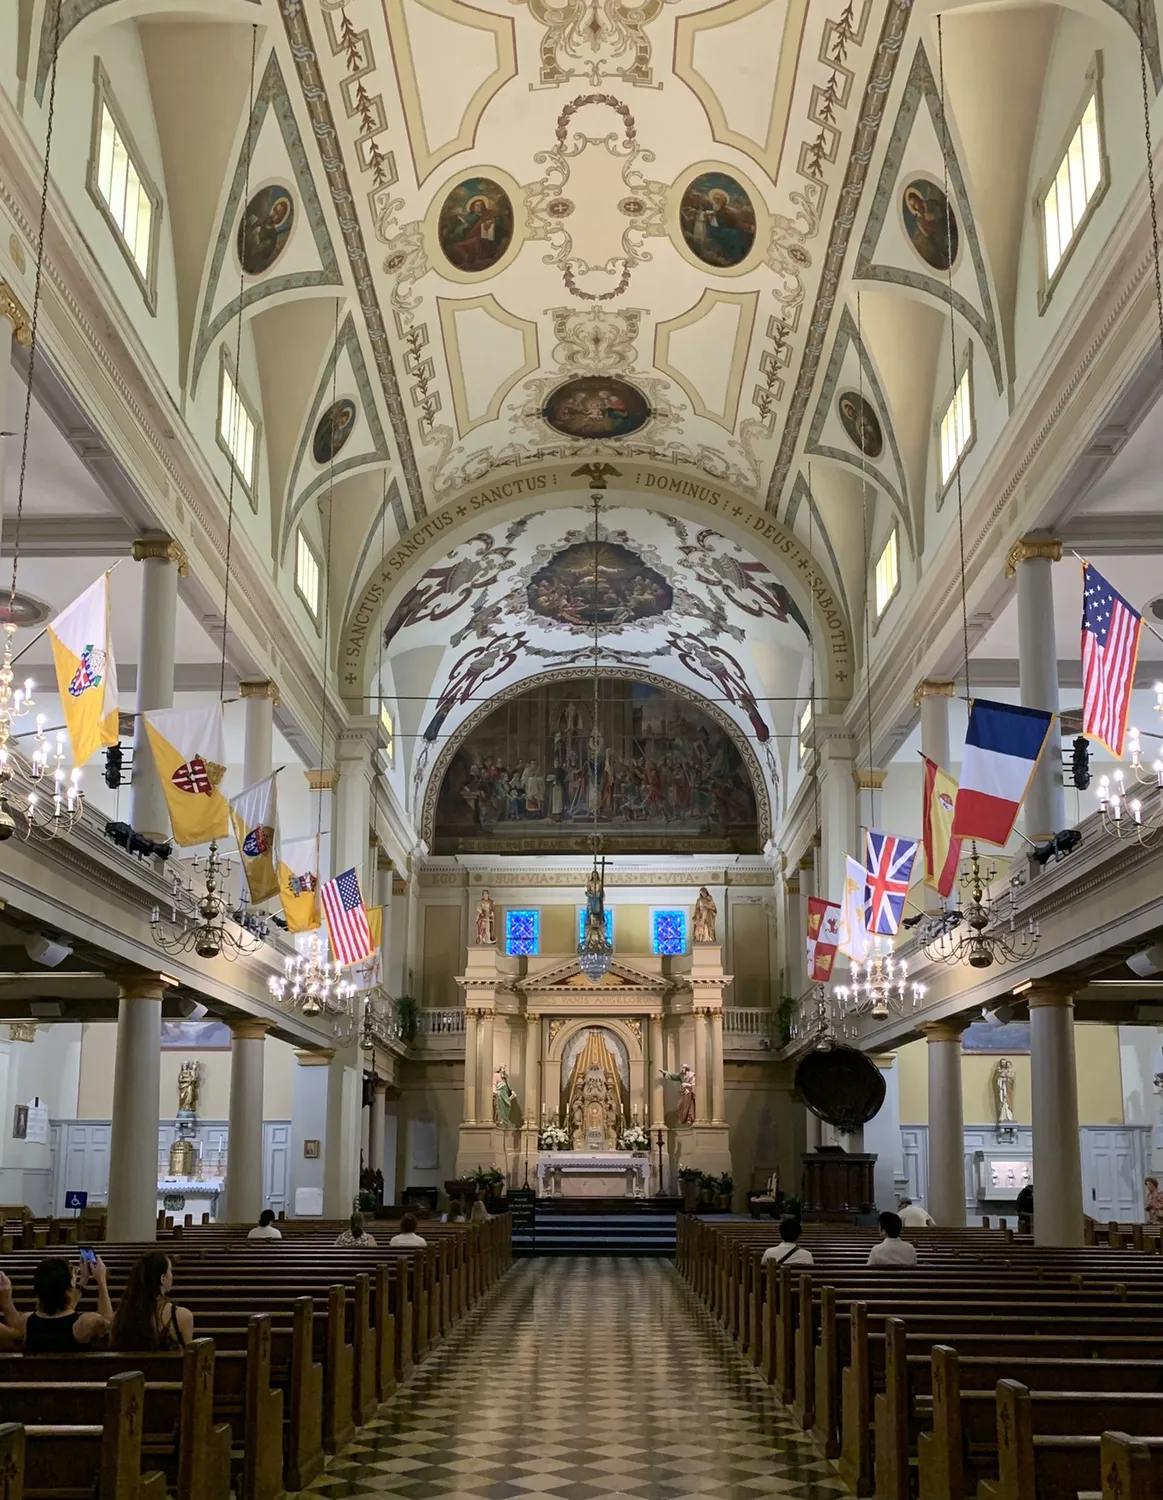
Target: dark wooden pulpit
x=837 y=1181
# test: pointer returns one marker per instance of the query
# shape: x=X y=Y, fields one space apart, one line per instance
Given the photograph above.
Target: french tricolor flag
x=1002 y=747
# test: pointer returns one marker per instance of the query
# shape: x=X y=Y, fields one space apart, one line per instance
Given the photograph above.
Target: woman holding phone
x=56 y=1327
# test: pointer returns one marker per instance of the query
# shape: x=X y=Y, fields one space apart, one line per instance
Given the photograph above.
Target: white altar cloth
x=593 y=1174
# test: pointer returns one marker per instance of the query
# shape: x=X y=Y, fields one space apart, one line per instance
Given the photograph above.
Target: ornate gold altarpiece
x=646 y=1014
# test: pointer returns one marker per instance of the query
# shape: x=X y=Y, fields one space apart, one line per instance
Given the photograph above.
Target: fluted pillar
x=1032 y=559
x=718 y=1074
x=412 y=975
x=133 y=1139
x=795 y=945
x=1058 y=1205
x=378 y=1120
x=835 y=751
x=341 y=1146
x=353 y=799
x=946 y=1196
x=383 y=899
x=15 y=328
x=260 y=699
x=702 y=1065
x=485 y=1051
x=657 y=1063
x=471 y=1064
x=244 y=1163
x=533 y=1069
x=162 y=561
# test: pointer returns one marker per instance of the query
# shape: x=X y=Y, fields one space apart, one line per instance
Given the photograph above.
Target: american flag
x=351 y=937
x=1110 y=649
x=888 y=863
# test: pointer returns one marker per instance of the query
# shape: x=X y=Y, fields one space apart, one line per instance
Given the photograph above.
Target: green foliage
x=689 y=1174
x=366 y=1202
x=787 y=1009
x=792 y=1207
x=408 y=1015
x=488 y=1180
x=725 y=1185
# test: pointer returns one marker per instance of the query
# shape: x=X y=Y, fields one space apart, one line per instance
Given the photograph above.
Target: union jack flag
x=888 y=863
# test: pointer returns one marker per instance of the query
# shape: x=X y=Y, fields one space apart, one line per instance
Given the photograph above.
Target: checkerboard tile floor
x=583 y=1379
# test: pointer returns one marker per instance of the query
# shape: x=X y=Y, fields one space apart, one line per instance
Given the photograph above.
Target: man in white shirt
x=407 y=1239
x=913 y=1216
x=788 y=1252
x=265 y=1228
x=892 y=1250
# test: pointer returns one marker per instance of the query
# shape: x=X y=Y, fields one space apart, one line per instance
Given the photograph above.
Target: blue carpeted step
x=597 y=1234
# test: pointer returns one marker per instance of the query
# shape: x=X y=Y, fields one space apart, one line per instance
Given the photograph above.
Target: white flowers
x=635 y=1138
x=554 y=1138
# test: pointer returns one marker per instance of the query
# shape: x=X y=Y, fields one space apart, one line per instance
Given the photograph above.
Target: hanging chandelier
x=879 y=987
x=981 y=930
x=1120 y=800
x=205 y=923
x=51 y=814
x=312 y=985
x=595 y=951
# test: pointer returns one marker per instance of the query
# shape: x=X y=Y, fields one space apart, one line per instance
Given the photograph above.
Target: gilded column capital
x=933 y=687
x=948 y=1030
x=806 y=862
x=1048 y=992
x=14 y=310
x=164 y=547
x=248 y=1028
x=1028 y=547
x=792 y=885
x=870 y=779
x=259 y=688
x=143 y=986
x=322 y=779
x=384 y=862
x=318 y=1059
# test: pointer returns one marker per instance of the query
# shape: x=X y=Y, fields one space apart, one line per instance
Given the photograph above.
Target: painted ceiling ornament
x=860 y=423
x=443 y=590
x=264 y=228
x=615 y=180
x=717 y=220
x=716 y=665
x=333 y=430
x=475 y=228
x=930 y=223
x=603 y=583
x=596 y=406
x=595 y=40
x=743 y=581
x=405 y=262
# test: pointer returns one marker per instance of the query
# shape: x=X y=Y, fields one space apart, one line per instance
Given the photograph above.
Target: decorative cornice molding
x=948 y=1030
x=13 y=309
x=318 y=1059
x=23 y=1031
x=792 y=885
x=1029 y=547
x=260 y=688
x=324 y=780
x=869 y=780
x=933 y=687
x=163 y=547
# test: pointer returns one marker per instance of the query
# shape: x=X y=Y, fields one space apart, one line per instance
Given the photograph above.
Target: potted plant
x=725 y=1188
x=689 y=1182
x=707 y=1188
x=365 y=1201
x=408 y=1018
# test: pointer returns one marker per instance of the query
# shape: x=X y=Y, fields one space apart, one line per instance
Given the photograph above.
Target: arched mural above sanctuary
x=534 y=775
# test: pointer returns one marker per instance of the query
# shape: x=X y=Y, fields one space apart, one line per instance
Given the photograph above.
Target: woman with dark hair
x=146 y=1319
x=355 y=1234
x=56 y=1327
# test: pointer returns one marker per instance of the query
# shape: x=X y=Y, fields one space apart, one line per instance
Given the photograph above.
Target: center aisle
x=581 y=1379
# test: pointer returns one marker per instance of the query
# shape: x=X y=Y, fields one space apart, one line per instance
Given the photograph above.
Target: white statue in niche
x=1003 y=1091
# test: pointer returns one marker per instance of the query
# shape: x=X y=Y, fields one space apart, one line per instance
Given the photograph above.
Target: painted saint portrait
x=476 y=224
x=534 y=775
x=860 y=423
x=265 y=228
x=333 y=430
x=615 y=588
x=930 y=223
x=596 y=406
x=717 y=219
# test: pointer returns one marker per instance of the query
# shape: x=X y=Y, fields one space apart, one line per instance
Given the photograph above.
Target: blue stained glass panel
x=668 y=932
x=522 y=931
x=581 y=925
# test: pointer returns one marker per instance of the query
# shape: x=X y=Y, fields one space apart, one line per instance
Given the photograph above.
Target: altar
x=593 y=1174
x=190 y=1195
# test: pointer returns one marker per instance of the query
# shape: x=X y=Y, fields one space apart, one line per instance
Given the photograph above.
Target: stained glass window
x=668 y=932
x=522 y=931
x=581 y=924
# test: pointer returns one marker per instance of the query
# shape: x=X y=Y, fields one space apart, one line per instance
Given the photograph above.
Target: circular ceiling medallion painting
x=596 y=406
x=265 y=228
x=476 y=224
x=930 y=223
x=860 y=423
x=24 y=609
x=333 y=430
x=616 y=588
x=717 y=219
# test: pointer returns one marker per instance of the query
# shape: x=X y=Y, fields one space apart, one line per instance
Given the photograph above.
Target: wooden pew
x=104 y=1459
x=1129 y=1466
x=11 y=1461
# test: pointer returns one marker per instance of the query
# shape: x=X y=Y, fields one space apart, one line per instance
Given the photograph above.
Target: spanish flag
x=190 y=756
x=299 y=883
x=254 y=816
x=942 y=850
x=86 y=673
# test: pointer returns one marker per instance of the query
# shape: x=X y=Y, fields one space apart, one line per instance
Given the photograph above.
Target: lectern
x=837 y=1181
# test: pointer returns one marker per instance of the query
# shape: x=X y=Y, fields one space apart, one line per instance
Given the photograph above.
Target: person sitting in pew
x=407 y=1239
x=480 y=1214
x=146 y=1319
x=913 y=1216
x=892 y=1250
x=265 y=1228
x=356 y=1234
x=788 y=1252
x=56 y=1327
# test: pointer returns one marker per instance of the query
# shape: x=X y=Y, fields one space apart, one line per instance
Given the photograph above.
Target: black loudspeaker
x=840 y=1085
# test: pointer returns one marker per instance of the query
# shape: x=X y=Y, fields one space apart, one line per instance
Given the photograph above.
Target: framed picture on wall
x=20 y=1123
x=310 y=1149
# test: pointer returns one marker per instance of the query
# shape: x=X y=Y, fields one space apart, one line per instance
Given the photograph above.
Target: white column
x=812 y=1130
x=657 y=1063
x=412 y=975
x=15 y=328
x=244 y=1163
x=533 y=1069
x=471 y=1065
x=486 y=1047
x=341 y=1145
x=1058 y=1208
x=838 y=832
x=133 y=1140
x=718 y=1073
x=383 y=899
x=946 y=1123
x=869 y=810
x=795 y=945
x=308 y=1123
x=322 y=781
x=378 y=1113
x=260 y=699
x=1033 y=558
x=702 y=1068
x=162 y=561
x=350 y=834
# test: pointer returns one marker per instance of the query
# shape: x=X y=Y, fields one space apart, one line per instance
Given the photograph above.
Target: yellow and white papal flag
x=854 y=940
x=369 y=972
x=254 y=815
x=299 y=883
x=189 y=751
x=82 y=651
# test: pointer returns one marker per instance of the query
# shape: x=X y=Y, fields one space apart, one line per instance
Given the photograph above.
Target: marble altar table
x=593 y=1174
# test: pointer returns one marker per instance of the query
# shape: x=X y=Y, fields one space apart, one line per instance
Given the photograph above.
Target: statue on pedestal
x=705 y=914
x=486 y=921
x=189 y=1081
x=503 y=1099
x=1003 y=1091
x=685 y=1077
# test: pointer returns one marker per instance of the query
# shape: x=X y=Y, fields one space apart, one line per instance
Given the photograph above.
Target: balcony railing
x=441 y=1022
x=749 y=1027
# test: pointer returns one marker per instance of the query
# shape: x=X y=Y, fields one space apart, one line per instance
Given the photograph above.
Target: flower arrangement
x=689 y=1174
x=634 y=1138
x=554 y=1138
